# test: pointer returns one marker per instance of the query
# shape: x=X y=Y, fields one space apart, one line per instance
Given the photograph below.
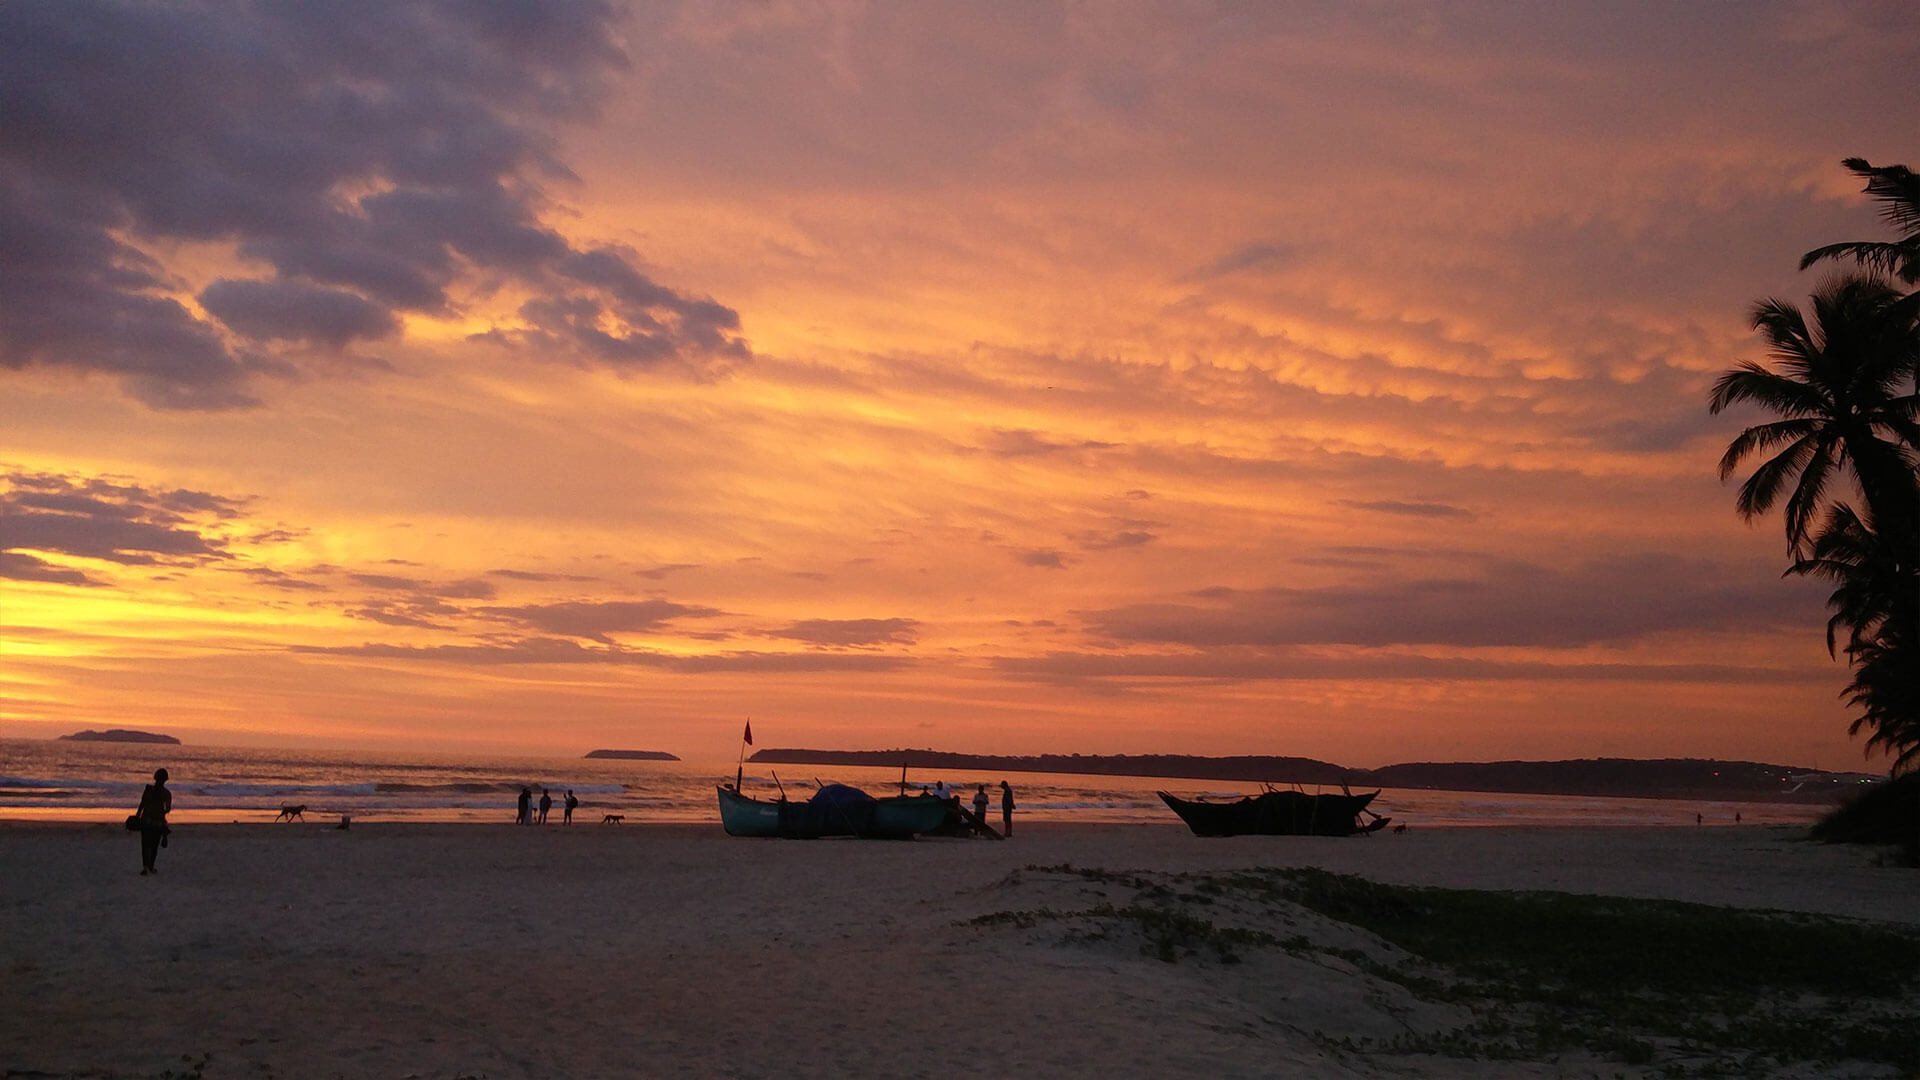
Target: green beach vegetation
x=1667 y=988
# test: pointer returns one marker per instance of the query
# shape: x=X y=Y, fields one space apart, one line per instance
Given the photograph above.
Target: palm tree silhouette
x=1844 y=392
x=1880 y=611
x=1865 y=575
x=1898 y=190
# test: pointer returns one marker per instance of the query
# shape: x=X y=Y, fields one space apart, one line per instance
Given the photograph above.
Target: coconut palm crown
x=1842 y=384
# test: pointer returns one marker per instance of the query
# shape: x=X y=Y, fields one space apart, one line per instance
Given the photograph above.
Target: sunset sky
x=1302 y=379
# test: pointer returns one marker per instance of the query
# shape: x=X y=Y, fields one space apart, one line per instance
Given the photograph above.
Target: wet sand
x=674 y=951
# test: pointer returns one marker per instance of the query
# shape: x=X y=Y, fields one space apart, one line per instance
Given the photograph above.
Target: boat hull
x=899 y=817
x=1277 y=813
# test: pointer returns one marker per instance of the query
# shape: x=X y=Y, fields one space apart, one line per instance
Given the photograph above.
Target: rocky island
x=633 y=755
x=120 y=735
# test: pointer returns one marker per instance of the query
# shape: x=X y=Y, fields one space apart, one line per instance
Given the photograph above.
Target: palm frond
x=1761 y=438
x=1899 y=259
x=1804 y=504
x=1897 y=188
x=1785 y=328
x=1758 y=494
x=1751 y=382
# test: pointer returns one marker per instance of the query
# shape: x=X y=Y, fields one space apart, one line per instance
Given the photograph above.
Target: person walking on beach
x=1006 y=808
x=566 y=812
x=980 y=804
x=525 y=813
x=546 y=804
x=155 y=802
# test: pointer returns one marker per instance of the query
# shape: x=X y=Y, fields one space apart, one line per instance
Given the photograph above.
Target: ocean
x=52 y=780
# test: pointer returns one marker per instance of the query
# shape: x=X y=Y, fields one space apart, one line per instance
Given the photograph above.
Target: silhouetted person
x=525 y=813
x=546 y=804
x=1006 y=808
x=155 y=802
x=980 y=804
x=566 y=813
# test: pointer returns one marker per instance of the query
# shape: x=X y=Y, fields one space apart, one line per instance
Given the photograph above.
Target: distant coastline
x=1665 y=778
x=634 y=755
x=119 y=735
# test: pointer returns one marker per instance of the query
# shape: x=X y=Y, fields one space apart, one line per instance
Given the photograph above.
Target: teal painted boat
x=835 y=810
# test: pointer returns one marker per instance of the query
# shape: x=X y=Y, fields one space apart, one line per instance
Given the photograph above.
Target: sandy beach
x=674 y=951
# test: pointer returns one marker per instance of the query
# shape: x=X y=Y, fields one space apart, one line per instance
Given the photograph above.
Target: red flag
x=749 y=735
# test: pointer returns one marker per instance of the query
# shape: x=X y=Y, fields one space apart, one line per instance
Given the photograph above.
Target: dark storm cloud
x=109 y=520
x=564 y=651
x=370 y=157
x=850 y=632
x=596 y=620
x=1506 y=604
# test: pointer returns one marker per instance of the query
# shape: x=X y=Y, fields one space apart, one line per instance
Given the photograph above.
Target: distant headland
x=120 y=735
x=634 y=755
x=1666 y=778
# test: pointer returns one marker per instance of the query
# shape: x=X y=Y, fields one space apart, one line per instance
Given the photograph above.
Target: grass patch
x=1610 y=945
x=1728 y=991
x=1684 y=989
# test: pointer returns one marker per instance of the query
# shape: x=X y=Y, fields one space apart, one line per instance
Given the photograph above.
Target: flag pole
x=746 y=740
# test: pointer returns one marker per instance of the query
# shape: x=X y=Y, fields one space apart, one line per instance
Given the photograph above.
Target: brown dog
x=613 y=819
x=291 y=812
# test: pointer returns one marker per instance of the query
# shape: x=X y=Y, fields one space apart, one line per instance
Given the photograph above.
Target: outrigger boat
x=834 y=810
x=1279 y=813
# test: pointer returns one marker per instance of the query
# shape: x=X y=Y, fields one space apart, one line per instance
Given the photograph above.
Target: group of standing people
x=525 y=815
x=940 y=790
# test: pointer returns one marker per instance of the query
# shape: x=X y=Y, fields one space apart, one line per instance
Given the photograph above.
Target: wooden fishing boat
x=834 y=810
x=1279 y=813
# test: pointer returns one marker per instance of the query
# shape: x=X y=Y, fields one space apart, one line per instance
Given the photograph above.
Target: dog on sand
x=613 y=819
x=291 y=812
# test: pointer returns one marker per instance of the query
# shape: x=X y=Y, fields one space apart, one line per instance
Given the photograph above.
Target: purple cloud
x=597 y=620
x=847 y=633
x=371 y=158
